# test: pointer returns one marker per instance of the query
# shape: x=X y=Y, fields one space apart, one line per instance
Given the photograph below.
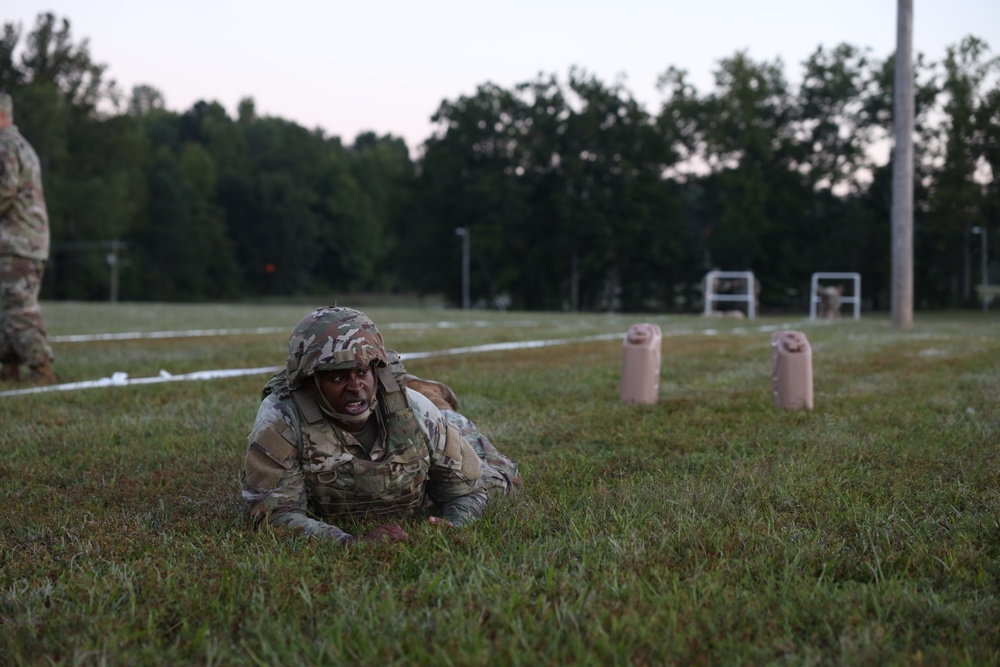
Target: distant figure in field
x=345 y=436
x=731 y=286
x=829 y=301
x=24 y=249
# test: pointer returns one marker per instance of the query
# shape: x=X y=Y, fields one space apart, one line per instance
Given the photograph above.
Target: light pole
x=115 y=262
x=466 y=235
x=902 y=171
x=982 y=266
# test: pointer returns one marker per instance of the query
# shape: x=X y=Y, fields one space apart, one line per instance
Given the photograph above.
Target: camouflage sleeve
x=9 y=174
x=273 y=484
x=455 y=475
x=499 y=473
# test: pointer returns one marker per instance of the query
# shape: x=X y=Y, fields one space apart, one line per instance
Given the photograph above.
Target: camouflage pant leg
x=22 y=333
x=500 y=474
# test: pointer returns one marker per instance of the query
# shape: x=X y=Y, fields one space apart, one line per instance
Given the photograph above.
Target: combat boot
x=11 y=371
x=439 y=393
x=41 y=375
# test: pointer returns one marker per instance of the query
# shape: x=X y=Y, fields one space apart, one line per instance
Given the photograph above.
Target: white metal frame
x=854 y=298
x=749 y=298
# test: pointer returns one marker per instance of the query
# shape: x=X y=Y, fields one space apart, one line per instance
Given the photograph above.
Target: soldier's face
x=349 y=392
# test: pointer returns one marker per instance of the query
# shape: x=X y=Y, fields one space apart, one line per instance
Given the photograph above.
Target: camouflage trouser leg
x=500 y=474
x=22 y=333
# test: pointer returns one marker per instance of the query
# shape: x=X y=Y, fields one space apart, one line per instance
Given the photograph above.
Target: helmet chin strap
x=325 y=406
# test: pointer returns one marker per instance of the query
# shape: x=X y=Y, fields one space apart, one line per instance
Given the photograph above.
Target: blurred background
x=567 y=181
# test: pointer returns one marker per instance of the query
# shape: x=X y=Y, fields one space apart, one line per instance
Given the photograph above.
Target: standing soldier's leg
x=11 y=369
x=8 y=357
x=24 y=339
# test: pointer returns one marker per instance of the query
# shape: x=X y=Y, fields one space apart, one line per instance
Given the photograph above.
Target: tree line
x=574 y=195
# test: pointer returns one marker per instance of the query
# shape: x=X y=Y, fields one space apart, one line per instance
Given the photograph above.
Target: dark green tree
x=752 y=197
x=618 y=237
x=89 y=159
x=386 y=176
x=470 y=178
x=183 y=252
x=878 y=198
x=959 y=197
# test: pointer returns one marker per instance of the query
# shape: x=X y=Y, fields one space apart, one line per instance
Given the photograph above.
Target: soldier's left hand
x=440 y=521
x=389 y=531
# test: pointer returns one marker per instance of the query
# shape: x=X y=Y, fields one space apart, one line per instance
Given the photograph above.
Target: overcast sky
x=385 y=66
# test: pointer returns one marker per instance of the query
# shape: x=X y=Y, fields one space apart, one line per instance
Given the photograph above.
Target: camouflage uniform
x=301 y=470
x=499 y=472
x=24 y=248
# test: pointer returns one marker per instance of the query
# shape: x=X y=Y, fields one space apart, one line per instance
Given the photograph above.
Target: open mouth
x=356 y=407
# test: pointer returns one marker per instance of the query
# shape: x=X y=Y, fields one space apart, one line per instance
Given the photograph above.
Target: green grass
x=710 y=528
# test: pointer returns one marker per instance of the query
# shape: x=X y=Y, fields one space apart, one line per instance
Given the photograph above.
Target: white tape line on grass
x=196 y=333
x=477 y=324
x=139 y=335
x=123 y=380
x=522 y=345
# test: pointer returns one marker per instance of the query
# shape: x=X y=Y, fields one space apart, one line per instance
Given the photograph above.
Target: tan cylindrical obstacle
x=791 y=370
x=641 y=364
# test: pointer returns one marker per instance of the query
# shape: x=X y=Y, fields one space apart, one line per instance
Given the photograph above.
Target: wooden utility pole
x=902 y=171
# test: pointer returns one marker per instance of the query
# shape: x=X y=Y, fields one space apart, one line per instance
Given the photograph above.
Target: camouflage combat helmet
x=332 y=338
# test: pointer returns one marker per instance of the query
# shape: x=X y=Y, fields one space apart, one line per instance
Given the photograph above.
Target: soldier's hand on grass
x=388 y=531
x=440 y=521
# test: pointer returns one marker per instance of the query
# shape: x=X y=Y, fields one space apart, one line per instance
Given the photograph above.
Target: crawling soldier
x=341 y=440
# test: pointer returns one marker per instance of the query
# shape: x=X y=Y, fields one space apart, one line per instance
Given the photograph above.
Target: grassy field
x=710 y=528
